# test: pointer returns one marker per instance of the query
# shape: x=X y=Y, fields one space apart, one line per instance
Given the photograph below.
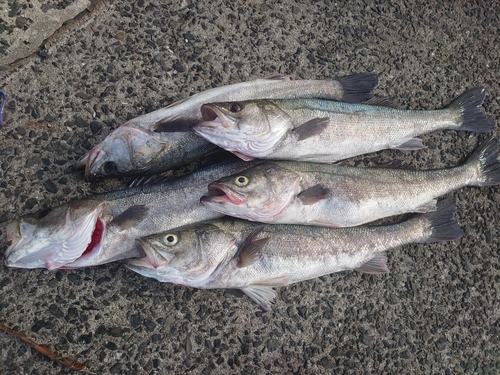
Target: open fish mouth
x=34 y=246
x=219 y=193
x=149 y=257
x=93 y=157
x=213 y=119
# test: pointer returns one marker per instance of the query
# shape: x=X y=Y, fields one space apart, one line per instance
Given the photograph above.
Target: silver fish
x=255 y=258
x=326 y=131
x=102 y=229
x=160 y=140
x=339 y=196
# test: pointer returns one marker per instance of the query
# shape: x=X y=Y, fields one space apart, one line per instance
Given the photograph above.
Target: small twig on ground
x=51 y=355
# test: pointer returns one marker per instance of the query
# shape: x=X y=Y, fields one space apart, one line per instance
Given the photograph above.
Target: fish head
x=52 y=238
x=127 y=151
x=187 y=256
x=258 y=193
x=245 y=127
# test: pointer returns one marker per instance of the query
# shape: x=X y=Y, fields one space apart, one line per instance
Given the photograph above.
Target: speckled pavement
x=436 y=312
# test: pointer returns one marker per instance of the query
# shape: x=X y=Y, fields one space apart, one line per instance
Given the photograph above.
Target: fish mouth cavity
x=218 y=193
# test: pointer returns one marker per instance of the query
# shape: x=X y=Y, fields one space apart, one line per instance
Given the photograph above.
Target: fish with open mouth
x=102 y=229
x=255 y=258
x=324 y=131
x=282 y=192
x=161 y=140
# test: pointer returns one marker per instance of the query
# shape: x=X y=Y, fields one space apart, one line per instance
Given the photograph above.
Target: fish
x=161 y=140
x=326 y=131
x=255 y=258
x=287 y=192
x=103 y=228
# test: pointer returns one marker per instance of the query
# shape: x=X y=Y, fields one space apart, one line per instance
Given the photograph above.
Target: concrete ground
x=436 y=312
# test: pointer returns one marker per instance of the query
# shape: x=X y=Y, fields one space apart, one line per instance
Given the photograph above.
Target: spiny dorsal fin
x=311 y=128
x=279 y=77
x=130 y=217
x=249 y=251
x=376 y=265
x=313 y=194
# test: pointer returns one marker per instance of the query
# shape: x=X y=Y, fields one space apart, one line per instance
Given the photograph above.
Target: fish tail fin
x=441 y=222
x=487 y=159
x=358 y=88
x=469 y=105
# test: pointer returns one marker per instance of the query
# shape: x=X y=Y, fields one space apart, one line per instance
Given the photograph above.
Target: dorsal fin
x=383 y=102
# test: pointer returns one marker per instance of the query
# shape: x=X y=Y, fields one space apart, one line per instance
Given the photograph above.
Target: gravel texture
x=437 y=312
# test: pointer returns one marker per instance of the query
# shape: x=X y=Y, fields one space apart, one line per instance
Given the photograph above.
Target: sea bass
x=325 y=131
x=339 y=196
x=160 y=140
x=255 y=258
x=102 y=229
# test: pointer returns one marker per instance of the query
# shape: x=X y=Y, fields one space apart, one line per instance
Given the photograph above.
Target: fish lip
x=213 y=118
x=13 y=234
x=219 y=193
x=92 y=158
x=149 y=257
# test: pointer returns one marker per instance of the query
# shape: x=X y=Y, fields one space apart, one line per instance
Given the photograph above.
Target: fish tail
x=487 y=158
x=358 y=88
x=469 y=105
x=441 y=222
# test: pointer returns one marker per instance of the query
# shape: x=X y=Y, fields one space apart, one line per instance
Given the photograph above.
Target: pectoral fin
x=311 y=128
x=313 y=194
x=376 y=265
x=250 y=249
x=130 y=217
x=412 y=144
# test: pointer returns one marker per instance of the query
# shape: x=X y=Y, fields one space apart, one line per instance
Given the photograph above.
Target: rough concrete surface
x=436 y=312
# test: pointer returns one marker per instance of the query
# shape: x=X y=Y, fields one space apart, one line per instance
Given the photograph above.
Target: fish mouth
x=213 y=118
x=219 y=193
x=149 y=257
x=91 y=159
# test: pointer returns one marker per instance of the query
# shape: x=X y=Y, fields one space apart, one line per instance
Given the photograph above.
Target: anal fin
x=376 y=265
x=427 y=207
x=412 y=144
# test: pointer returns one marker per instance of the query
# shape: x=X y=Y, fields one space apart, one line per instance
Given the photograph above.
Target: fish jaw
x=152 y=264
x=221 y=194
x=38 y=246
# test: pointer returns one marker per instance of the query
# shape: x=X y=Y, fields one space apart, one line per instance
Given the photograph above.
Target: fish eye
x=109 y=167
x=170 y=239
x=42 y=213
x=235 y=107
x=241 y=181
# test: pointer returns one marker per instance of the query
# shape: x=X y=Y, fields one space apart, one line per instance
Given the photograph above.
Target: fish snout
x=219 y=193
x=93 y=157
x=13 y=232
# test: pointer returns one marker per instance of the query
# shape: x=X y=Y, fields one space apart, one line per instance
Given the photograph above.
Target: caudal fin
x=469 y=105
x=443 y=225
x=358 y=87
x=487 y=155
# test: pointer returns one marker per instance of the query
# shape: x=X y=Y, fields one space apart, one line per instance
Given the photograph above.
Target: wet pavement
x=437 y=311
